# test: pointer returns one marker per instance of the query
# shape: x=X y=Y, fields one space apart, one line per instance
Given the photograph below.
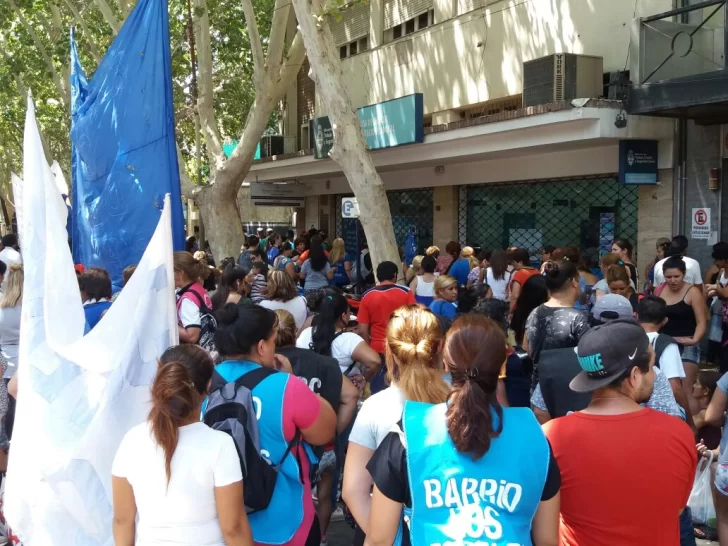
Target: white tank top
x=425 y=289
x=498 y=286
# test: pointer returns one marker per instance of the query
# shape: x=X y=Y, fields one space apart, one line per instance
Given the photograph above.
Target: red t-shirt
x=624 y=478
x=522 y=275
x=377 y=306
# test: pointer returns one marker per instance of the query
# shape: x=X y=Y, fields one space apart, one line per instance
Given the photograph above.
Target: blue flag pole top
x=124 y=158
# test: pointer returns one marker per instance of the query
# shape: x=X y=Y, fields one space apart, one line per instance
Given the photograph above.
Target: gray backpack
x=230 y=409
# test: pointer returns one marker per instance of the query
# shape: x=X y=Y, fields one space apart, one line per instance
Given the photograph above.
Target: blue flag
x=123 y=145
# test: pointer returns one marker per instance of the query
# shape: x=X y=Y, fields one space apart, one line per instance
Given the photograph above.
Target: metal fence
x=588 y=213
x=409 y=208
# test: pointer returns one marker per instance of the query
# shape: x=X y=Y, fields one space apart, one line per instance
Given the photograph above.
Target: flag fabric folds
x=124 y=158
x=78 y=395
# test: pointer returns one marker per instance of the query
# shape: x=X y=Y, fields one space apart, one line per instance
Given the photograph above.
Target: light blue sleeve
x=723 y=383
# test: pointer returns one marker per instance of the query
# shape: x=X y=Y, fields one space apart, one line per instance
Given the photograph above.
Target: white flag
x=78 y=395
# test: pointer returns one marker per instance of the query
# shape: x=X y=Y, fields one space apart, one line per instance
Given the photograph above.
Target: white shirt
x=425 y=289
x=342 y=349
x=498 y=286
x=183 y=513
x=692 y=271
x=670 y=360
x=297 y=307
x=378 y=414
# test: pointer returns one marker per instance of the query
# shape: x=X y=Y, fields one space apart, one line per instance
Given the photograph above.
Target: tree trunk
x=349 y=149
x=221 y=219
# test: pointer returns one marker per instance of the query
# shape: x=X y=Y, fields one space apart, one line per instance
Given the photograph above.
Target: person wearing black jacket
x=323 y=376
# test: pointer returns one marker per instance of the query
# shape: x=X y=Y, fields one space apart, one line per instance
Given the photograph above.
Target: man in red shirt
x=626 y=471
x=376 y=307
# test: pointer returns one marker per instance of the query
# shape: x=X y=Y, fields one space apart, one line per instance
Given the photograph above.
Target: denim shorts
x=721 y=479
x=691 y=353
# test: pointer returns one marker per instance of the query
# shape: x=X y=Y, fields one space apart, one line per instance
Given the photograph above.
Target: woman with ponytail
x=289 y=416
x=414 y=339
x=328 y=336
x=488 y=472
x=182 y=478
x=192 y=298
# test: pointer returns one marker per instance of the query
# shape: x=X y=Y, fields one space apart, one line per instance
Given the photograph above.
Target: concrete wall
x=654 y=217
x=703 y=154
x=446 y=63
x=445 y=216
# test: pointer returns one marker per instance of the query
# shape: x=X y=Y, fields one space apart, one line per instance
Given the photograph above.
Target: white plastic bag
x=701 y=497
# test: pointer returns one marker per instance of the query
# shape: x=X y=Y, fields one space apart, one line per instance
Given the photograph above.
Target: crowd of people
x=496 y=397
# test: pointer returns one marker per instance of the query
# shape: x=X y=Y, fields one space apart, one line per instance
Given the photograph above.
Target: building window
x=411 y=26
x=352 y=48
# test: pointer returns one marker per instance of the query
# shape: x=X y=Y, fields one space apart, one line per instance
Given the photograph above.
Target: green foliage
x=23 y=66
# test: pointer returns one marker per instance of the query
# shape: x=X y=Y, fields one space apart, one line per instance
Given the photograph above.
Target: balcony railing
x=682 y=42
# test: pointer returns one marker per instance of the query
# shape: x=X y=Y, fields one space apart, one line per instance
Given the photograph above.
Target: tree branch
x=255 y=45
x=293 y=63
x=205 y=106
x=62 y=91
x=109 y=16
x=277 y=35
x=89 y=39
x=187 y=186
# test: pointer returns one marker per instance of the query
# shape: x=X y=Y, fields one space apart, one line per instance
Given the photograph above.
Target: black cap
x=607 y=351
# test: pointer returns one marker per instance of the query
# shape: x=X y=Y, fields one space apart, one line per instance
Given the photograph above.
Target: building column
x=445 y=216
x=654 y=218
x=376 y=24
x=312 y=212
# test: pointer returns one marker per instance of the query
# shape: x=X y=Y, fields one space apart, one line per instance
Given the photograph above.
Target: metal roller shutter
x=397 y=12
x=353 y=24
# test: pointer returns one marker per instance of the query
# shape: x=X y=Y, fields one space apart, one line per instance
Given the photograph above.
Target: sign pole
x=358 y=256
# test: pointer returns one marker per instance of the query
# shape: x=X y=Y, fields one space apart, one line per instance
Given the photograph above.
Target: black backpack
x=208 y=323
x=230 y=409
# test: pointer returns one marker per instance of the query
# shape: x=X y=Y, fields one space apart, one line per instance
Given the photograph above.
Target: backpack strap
x=218 y=381
x=187 y=290
x=662 y=341
x=253 y=378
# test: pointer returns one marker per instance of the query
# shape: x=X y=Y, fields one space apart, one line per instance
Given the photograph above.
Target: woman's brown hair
x=194 y=269
x=617 y=273
x=474 y=353
x=286 y=328
x=281 y=286
x=413 y=340
x=178 y=389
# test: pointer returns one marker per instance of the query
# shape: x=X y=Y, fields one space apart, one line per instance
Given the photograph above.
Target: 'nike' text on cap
x=607 y=351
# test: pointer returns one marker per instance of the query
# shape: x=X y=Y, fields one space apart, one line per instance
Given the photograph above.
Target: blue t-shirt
x=443 y=308
x=460 y=270
x=272 y=253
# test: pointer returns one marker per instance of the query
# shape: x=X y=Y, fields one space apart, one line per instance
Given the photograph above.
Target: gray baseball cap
x=612 y=307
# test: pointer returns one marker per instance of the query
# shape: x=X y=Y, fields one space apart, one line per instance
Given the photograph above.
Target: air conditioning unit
x=562 y=76
x=271 y=145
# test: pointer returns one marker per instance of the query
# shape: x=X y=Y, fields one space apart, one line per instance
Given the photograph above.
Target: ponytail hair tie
x=620 y=262
x=473 y=373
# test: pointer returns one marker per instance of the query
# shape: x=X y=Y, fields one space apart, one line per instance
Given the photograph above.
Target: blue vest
x=456 y=500
x=284 y=516
x=283 y=262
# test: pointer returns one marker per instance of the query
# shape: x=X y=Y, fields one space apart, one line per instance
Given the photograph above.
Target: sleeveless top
x=680 y=319
x=425 y=292
x=458 y=500
x=498 y=287
x=340 y=277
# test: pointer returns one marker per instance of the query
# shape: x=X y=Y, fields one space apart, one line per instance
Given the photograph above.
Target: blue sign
x=394 y=122
x=384 y=125
x=229 y=148
x=638 y=162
